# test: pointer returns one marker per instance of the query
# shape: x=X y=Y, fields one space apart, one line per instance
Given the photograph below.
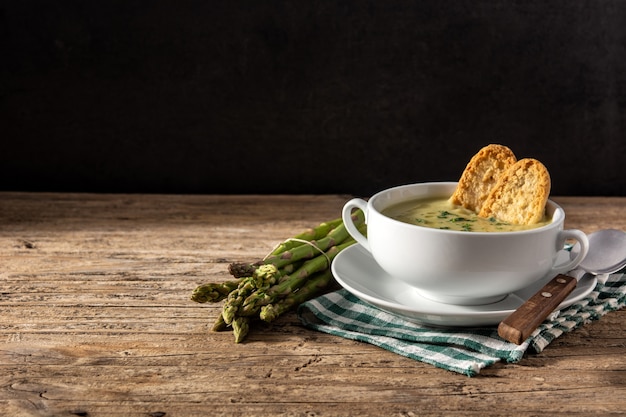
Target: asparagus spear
x=213 y=292
x=311 y=288
x=242 y=269
x=241 y=327
x=219 y=324
x=310 y=234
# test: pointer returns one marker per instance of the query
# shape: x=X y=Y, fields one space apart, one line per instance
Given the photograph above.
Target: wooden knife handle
x=522 y=322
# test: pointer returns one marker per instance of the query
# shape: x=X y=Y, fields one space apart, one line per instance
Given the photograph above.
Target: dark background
x=307 y=96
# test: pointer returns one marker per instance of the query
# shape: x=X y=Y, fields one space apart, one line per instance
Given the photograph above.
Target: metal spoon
x=606 y=255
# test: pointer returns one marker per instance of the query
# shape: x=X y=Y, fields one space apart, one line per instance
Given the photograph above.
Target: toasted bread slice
x=520 y=195
x=480 y=176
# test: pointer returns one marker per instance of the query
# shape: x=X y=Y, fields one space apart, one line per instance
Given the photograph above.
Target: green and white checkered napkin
x=463 y=350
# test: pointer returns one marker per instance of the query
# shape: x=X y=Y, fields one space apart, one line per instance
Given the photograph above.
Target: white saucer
x=356 y=270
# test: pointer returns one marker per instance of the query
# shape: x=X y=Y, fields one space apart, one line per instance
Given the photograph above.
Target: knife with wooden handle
x=522 y=322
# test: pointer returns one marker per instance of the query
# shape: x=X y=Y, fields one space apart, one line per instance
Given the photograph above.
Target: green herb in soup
x=440 y=213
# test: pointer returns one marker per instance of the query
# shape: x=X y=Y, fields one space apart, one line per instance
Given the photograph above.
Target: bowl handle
x=581 y=238
x=346 y=214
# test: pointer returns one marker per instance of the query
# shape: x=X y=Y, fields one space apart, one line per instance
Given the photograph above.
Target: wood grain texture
x=95 y=320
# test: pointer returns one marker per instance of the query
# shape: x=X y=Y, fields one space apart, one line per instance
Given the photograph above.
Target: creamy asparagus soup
x=440 y=213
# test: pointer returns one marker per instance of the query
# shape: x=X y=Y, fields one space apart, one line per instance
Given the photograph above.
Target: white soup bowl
x=459 y=267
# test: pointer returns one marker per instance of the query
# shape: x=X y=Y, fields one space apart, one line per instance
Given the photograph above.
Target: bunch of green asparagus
x=295 y=271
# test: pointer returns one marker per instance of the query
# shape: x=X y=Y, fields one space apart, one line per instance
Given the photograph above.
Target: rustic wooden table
x=95 y=320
